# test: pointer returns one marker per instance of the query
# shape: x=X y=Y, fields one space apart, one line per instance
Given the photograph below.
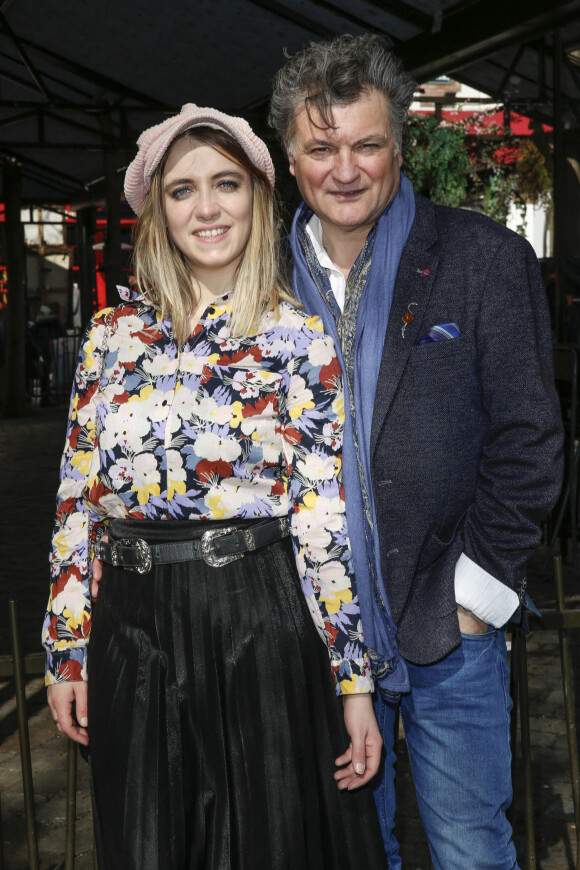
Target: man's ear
x=291 y=165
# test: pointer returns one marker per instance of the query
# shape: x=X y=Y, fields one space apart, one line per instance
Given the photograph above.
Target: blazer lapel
x=413 y=286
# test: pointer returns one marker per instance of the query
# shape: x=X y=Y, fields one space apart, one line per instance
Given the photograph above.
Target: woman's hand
x=363 y=756
x=60 y=700
x=97 y=573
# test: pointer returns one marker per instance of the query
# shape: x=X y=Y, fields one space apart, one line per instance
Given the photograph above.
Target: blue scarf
x=312 y=288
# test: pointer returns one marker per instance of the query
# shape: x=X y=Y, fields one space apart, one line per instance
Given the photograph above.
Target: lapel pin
x=407 y=317
x=423 y=272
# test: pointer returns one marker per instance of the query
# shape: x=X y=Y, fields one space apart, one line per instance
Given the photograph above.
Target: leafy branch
x=472 y=161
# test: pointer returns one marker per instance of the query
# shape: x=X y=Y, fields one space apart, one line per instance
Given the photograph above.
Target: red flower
x=331 y=632
x=122 y=311
x=277 y=488
x=98 y=490
x=240 y=355
x=65 y=508
x=74 y=437
x=147 y=335
x=260 y=406
x=205 y=469
x=51 y=631
x=292 y=435
x=507 y=154
x=330 y=373
x=86 y=398
x=206 y=375
x=70 y=670
x=70 y=573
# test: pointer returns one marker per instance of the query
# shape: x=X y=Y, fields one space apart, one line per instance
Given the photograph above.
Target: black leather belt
x=216 y=547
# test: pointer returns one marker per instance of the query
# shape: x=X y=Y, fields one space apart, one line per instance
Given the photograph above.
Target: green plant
x=473 y=161
x=436 y=160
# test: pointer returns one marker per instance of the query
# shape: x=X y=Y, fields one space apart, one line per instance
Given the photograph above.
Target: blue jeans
x=456 y=719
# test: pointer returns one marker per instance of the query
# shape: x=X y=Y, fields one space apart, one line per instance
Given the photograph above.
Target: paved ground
x=29 y=457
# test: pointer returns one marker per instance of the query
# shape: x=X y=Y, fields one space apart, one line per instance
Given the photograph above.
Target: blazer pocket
x=434 y=580
x=431 y=550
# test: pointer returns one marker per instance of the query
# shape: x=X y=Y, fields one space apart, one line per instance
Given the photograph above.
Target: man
x=452 y=451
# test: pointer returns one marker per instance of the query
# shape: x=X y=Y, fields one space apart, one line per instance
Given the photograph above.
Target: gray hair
x=336 y=73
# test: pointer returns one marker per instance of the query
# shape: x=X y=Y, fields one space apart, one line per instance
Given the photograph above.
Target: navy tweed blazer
x=466 y=439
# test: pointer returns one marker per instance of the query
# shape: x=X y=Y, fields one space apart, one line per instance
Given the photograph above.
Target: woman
x=204 y=440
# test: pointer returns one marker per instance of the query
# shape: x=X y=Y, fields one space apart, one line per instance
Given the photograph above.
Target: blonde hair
x=166 y=279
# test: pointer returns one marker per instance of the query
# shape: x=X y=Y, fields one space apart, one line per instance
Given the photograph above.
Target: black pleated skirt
x=213 y=720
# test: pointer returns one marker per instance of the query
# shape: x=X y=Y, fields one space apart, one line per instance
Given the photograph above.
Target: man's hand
x=60 y=700
x=469 y=623
x=363 y=756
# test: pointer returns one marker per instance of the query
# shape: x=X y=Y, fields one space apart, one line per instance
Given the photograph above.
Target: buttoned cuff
x=481 y=593
x=66 y=665
x=353 y=676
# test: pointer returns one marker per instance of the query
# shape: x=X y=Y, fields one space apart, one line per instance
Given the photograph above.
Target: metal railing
x=18 y=667
x=561 y=620
x=50 y=369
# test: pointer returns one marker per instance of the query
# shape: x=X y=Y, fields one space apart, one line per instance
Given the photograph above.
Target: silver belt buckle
x=97 y=551
x=144 y=554
x=284 y=526
x=207 y=552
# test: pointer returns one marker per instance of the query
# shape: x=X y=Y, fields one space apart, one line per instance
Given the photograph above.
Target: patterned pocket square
x=441 y=332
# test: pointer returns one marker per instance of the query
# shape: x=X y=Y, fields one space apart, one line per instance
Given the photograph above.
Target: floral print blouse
x=220 y=428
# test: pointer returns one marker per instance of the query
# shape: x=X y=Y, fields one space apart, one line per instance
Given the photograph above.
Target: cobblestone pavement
x=29 y=457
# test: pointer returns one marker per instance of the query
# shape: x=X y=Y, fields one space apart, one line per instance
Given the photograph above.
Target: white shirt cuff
x=480 y=592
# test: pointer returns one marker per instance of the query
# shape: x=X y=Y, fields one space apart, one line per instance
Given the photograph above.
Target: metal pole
x=71 y=804
x=1 y=840
x=569 y=705
x=113 y=186
x=84 y=229
x=514 y=717
x=20 y=691
x=559 y=189
x=14 y=387
x=526 y=755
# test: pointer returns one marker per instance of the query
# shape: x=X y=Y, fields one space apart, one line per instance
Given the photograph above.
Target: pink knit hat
x=154 y=142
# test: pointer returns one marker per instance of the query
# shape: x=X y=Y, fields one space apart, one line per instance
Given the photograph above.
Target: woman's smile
x=210 y=235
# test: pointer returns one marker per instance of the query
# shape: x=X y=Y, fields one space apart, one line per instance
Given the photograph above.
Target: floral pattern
x=220 y=428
